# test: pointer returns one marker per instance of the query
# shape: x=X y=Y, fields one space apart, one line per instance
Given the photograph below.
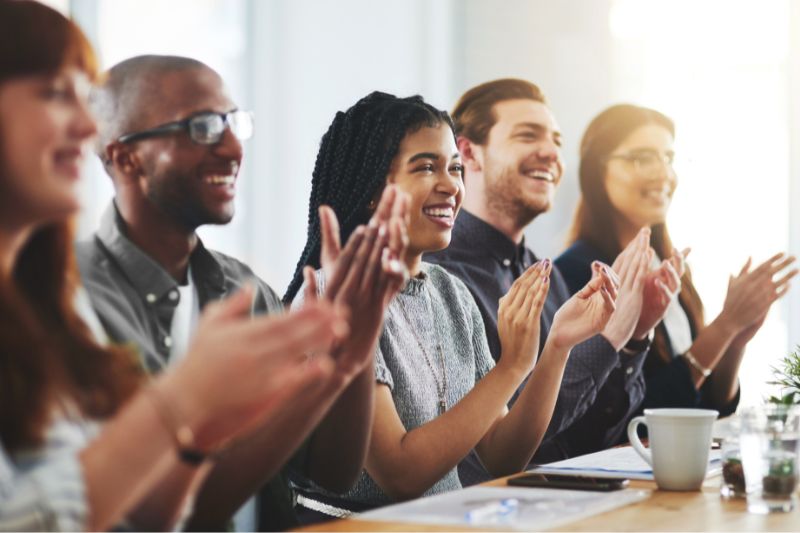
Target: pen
x=493 y=512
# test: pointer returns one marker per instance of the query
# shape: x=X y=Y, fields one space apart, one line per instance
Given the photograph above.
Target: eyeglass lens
x=209 y=128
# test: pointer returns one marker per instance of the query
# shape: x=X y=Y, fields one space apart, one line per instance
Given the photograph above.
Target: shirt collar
x=149 y=278
x=484 y=237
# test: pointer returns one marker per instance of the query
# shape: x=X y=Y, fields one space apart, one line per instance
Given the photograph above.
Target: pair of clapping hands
x=242 y=369
x=627 y=300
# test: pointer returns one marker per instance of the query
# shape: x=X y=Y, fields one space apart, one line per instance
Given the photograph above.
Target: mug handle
x=633 y=436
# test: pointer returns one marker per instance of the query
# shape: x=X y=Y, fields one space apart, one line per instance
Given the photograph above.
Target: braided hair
x=355 y=156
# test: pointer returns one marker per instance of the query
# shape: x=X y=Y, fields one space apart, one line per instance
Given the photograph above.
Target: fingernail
x=373 y=223
x=382 y=230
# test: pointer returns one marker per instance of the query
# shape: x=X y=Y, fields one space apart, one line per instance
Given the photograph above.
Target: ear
x=121 y=161
x=471 y=154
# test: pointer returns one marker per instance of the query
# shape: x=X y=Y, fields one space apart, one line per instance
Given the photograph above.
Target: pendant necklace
x=441 y=385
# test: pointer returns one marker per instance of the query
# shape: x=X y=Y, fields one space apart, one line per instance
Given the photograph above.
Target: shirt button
x=173 y=295
x=151 y=298
x=168 y=341
x=629 y=370
x=506 y=262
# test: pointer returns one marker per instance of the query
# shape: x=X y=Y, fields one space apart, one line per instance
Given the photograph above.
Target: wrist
x=555 y=347
x=725 y=326
x=516 y=369
x=637 y=345
x=614 y=338
x=180 y=421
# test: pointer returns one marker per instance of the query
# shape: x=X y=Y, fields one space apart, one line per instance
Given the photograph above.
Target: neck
x=12 y=239
x=413 y=261
x=502 y=222
x=168 y=243
x=626 y=231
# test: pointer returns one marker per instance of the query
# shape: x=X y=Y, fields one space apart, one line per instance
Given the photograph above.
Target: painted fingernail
x=373 y=222
x=382 y=230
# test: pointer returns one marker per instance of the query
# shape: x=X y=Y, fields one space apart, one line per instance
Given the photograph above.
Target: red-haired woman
x=59 y=467
x=627 y=182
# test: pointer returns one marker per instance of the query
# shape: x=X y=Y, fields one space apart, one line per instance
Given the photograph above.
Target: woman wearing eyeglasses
x=627 y=182
x=86 y=441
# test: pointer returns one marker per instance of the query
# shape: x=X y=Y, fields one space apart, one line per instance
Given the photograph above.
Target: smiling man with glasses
x=171 y=138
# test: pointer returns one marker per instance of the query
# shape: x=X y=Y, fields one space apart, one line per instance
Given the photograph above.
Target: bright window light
x=719 y=70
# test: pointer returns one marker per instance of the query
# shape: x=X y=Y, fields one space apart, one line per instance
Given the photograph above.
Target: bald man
x=171 y=138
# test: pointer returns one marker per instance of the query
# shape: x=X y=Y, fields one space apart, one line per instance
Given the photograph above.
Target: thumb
x=331 y=245
x=590 y=288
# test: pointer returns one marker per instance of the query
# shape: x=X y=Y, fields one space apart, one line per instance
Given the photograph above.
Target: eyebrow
x=430 y=155
x=540 y=128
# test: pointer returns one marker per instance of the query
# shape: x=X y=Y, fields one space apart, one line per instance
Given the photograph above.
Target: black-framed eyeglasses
x=203 y=128
x=647 y=162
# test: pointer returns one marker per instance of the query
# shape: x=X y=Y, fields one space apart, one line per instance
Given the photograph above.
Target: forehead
x=516 y=113
x=184 y=92
x=648 y=136
x=438 y=140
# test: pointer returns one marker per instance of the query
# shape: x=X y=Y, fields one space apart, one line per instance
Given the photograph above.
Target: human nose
x=549 y=150
x=448 y=184
x=229 y=146
x=83 y=124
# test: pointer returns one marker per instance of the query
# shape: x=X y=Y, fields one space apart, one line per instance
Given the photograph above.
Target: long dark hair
x=354 y=158
x=47 y=353
x=593 y=222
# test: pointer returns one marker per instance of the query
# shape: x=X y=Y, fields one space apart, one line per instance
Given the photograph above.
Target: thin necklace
x=441 y=386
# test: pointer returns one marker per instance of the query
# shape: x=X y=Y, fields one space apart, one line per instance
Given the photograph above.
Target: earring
x=372 y=205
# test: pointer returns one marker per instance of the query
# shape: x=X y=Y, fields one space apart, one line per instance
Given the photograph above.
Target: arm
x=338 y=447
x=363 y=277
x=406 y=463
x=720 y=346
x=258 y=357
x=509 y=446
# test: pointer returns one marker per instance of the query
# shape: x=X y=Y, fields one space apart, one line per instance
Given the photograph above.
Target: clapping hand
x=661 y=286
x=751 y=293
x=364 y=276
x=589 y=310
x=518 y=316
x=631 y=266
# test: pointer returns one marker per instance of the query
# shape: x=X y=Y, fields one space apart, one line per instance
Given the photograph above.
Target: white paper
x=621 y=462
x=537 y=509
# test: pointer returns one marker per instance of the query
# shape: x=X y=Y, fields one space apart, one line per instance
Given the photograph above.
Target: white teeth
x=443 y=212
x=658 y=194
x=220 y=180
x=541 y=174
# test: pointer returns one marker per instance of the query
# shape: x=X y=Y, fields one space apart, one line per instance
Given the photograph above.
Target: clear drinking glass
x=733 y=485
x=769 y=449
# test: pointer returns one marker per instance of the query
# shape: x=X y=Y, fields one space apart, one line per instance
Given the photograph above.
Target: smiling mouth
x=220 y=180
x=659 y=195
x=542 y=175
x=444 y=216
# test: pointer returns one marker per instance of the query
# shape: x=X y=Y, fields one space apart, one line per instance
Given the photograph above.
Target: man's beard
x=505 y=196
x=171 y=195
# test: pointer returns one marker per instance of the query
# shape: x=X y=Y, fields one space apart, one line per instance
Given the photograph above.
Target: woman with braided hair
x=439 y=394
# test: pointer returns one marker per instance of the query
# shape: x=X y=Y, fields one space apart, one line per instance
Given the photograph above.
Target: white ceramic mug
x=680 y=440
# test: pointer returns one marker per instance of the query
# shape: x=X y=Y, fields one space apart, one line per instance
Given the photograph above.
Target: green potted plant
x=787 y=375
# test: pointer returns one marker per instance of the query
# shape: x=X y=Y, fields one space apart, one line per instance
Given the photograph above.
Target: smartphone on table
x=565 y=481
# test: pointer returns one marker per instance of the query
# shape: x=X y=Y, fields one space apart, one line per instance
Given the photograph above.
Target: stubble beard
x=506 y=198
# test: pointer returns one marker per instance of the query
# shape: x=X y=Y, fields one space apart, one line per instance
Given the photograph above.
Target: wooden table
x=663 y=511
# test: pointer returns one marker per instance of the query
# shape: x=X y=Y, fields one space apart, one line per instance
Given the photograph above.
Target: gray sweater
x=433 y=309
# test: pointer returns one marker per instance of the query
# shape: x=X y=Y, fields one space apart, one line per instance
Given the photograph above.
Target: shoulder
x=238 y=273
x=575 y=264
x=90 y=256
x=448 y=285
